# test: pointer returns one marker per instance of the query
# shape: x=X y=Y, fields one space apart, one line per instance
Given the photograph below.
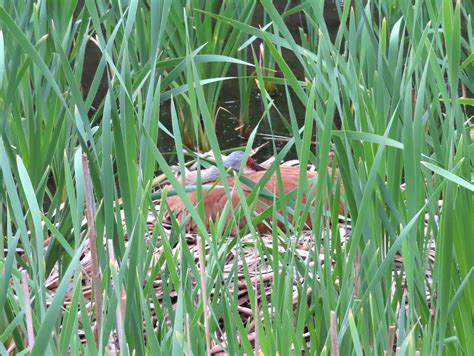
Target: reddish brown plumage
x=215 y=199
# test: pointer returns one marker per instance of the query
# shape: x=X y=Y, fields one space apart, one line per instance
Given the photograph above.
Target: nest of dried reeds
x=262 y=275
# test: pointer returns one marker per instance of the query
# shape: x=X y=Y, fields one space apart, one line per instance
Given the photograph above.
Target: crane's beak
x=256 y=167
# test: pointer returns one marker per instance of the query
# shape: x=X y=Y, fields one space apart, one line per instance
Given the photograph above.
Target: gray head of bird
x=233 y=161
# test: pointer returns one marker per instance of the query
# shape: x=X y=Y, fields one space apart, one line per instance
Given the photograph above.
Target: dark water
x=227 y=125
x=228 y=119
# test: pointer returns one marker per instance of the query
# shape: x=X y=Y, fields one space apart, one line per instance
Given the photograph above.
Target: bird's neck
x=207 y=175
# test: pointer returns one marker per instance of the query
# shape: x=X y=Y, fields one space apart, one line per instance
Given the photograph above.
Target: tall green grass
x=190 y=29
x=392 y=92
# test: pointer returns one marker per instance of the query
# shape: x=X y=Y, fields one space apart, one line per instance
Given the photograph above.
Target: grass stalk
x=92 y=237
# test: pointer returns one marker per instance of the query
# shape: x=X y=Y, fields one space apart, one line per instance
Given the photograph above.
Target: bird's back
x=216 y=198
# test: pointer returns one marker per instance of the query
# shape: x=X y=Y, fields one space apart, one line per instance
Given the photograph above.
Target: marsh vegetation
x=383 y=93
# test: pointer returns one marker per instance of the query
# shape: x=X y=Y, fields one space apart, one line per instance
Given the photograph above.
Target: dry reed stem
x=92 y=236
x=391 y=338
x=29 y=319
x=257 y=312
x=202 y=272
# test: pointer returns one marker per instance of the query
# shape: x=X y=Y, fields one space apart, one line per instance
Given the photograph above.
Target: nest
x=262 y=276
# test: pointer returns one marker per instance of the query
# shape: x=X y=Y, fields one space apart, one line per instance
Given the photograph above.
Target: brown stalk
x=391 y=338
x=92 y=235
x=202 y=272
x=29 y=319
x=257 y=311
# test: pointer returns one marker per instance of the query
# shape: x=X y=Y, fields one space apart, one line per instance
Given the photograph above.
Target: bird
x=232 y=161
x=211 y=174
x=216 y=198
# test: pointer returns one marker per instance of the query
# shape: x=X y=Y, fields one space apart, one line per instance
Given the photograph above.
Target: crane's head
x=234 y=161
